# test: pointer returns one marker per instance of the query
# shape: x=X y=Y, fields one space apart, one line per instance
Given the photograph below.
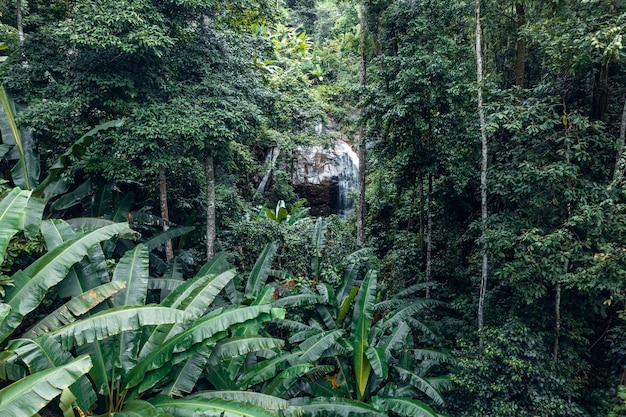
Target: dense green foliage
x=132 y=127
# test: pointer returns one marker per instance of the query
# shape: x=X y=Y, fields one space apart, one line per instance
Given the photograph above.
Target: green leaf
x=314 y=348
x=32 y=283
x=140 y=408
x=46 y=353
x=237 y=346
x=420 y=383
x=25 y=173
x=12 y=213
x=163 y=237
x=132 y=270
x=265 y=370
x=261 y=271
x=362 y=320
x=378 y=360
x=77 y=150
x=267 y=402
x=29 y=395
x=404 y=406
x=186 y=375
x=114 y=321
x=336 y=407
x=188 y=341
x=199 y=406
x=73 y=309
x=283 y=381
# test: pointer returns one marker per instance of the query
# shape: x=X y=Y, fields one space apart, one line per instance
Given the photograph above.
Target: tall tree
x=483 y=175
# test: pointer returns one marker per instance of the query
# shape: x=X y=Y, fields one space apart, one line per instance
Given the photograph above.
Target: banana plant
x=369 y=346
x=18 y=145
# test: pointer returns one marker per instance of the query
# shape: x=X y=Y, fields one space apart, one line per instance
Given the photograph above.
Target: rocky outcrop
x=325 y=177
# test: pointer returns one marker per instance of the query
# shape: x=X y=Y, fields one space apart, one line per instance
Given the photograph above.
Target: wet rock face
x=325 y=177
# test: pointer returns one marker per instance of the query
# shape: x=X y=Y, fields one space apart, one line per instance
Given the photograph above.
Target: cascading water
x=348 y=178
x=326 y=177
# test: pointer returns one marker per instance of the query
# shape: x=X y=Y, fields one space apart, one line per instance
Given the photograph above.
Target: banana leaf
x=265 y=370
x=199 y=406
x=420 y=383
x=314 y=348
x=132 y=270
x=27 y=396
x=73 y=309
x=45 y=353
x=114 y=321
x=12 y=212
x=361 y=321
x=404 y=406
x=199 y=332
x=140 y=408
x=32 y=283
x=25 y=173
x=237 y=346
x=261 y=271
x=267 y=402
x=163 y=237
x=336 y=407
x=77 y=150
x=283 y=381
x=186 y=375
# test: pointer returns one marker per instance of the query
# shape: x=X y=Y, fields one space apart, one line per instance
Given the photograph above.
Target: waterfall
x=270 y=160
x=348 y=178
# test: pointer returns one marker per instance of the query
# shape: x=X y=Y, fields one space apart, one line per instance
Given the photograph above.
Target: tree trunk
x=520 y=48
x=210 y=205
x=360 y=228
x=165 y=215
x=421 y=241
x=429 y=234
x=483 y=177
x=20 y=27
x=620 y=163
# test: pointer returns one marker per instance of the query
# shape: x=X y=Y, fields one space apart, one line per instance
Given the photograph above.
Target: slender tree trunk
x=421 y=181
x=620 y=163
x=165 y=215
x=557 y=313
x=20 y=27
x=483 y=177
x=210 y=206
x=360 y=228
x=429 y=234
x=520 y=48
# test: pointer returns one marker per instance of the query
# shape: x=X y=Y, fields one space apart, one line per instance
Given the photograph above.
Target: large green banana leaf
x=114 y=321
x=32 y=283
x=140 y=408
x=335 y=407
x=73 y=309
x=46 y=353
x=319 y=244
x=236 y=346
x=132 y=270
x=27 y=396
x=193 y=296
x=25 y=173
x=265 y=370
x=12 y=212
x=362 y=320
x=77 y=150
x=199 y=406
x=420 y=383
x=404 y=406
x=261 y=271
x=185 y=376
x=314 y=348
x=267 y=402
x=88 y=273
x=283 y=381
x=187 y=342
